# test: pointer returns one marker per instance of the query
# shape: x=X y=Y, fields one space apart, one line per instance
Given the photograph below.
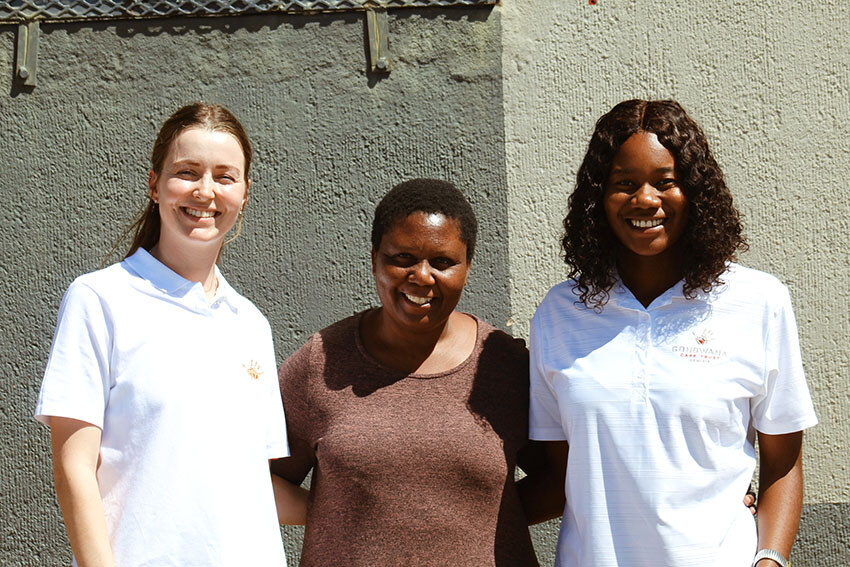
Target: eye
x=622 y=184
x=402 y=259
x=666 y=183
x=443 y=263
x=227 y=178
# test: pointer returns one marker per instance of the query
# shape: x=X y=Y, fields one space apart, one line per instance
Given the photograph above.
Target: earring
x=238 y=227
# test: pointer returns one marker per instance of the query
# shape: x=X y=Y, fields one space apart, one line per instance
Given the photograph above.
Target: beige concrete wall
x=768 y=81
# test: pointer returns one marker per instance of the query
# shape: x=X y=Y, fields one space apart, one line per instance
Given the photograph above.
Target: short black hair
x=426 y=196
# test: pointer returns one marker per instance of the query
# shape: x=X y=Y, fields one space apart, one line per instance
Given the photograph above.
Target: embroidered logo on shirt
x=253 y=369
x=701 y=353
x=703 y=336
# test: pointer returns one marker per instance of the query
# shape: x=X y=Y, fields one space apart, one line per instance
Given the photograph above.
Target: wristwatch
x=771 y=554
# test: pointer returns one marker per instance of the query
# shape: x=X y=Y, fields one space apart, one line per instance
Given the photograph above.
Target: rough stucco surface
x=768 y=81
x=329 y=139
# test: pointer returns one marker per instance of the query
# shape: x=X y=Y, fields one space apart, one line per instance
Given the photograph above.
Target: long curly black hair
x=713 y=234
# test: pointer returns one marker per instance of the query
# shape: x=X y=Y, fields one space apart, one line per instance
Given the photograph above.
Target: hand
x=750 y=500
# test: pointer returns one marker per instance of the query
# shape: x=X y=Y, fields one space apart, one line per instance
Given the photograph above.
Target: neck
x=196 y=264
x=647 y=277
x=428 y=352
x=422 y=342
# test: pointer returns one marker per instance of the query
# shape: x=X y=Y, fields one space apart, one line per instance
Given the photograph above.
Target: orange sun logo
x=253 y=369
x=703 y=337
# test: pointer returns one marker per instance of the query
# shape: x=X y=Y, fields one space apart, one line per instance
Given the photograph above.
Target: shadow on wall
x=825 y=535
x=252 y=23
x=179 y=26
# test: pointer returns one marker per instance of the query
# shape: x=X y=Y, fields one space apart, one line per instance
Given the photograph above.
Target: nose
x=647 y=196
x=420 y=274
x=205 y=188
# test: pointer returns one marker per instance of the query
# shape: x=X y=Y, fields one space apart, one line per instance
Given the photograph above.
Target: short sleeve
x=784 y=405
x=77 y=380
x=294 y=381
x=544 y=416
x=277 y=445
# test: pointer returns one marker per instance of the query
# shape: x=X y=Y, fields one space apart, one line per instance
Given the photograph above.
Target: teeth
x=646 y=223
x=199 y=214
x=416 y=299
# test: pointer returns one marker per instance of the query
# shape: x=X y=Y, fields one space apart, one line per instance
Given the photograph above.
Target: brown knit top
x=408 y=469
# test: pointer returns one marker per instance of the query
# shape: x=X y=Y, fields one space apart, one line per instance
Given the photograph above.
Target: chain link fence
x=64 y=10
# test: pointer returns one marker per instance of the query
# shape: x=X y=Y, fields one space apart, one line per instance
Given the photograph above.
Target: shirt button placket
x=647 y=332
x=642 y=345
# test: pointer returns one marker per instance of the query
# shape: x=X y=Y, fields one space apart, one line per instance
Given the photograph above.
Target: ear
x=468 y=268
x=245 y=198
x=152 y=190
x=374 y=258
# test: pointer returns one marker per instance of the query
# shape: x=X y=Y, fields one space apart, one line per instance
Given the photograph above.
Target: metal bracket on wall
x=379 y=51
x=27 y=55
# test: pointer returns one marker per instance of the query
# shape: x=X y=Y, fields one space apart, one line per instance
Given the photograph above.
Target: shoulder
x=489 y=333
x=739 y=275
x=497 y=346
x=566 y=290
x=103 y=280
x=749 y=285
x=250 y=312
x=99 y=287
x=338 y=339
x=561 y=302
x=562 y=294
x=343 y=333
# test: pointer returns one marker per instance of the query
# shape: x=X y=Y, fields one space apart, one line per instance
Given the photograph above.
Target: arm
x=291 y=501
x=542 y=491
x=76 y=447
x=289 y=472
x=780 y=492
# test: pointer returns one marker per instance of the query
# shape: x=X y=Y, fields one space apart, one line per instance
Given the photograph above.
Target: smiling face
x=420 y=271
x=200 y=189
x=644 y=204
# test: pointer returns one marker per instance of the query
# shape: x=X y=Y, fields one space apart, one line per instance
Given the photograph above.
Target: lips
x=197 y=213
x=418 y=299
x=645 y=223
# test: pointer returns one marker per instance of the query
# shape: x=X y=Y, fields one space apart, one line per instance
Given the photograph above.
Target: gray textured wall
x=330 y=141
x=768 y=81
x=502 y=101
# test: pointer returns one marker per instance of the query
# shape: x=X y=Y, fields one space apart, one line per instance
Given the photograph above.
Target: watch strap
x=771 y=554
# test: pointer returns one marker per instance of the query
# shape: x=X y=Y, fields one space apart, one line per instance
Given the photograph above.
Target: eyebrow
x=632 y=170
x=190 y=161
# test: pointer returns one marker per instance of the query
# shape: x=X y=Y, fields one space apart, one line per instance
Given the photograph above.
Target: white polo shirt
x=660 y=407
x=187 y=396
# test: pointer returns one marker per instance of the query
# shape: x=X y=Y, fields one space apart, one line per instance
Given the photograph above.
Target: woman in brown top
x=413 y=416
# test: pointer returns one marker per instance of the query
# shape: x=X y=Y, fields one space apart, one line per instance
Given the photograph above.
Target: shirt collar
x=622 y=296
x=170 y=282
x=225 y=292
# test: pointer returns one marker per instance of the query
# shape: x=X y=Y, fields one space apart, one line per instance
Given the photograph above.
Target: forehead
x=198 y=141
x=421 y=226
x=642 y=150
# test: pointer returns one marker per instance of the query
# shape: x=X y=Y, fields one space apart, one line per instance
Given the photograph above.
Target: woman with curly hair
x=658 y=363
